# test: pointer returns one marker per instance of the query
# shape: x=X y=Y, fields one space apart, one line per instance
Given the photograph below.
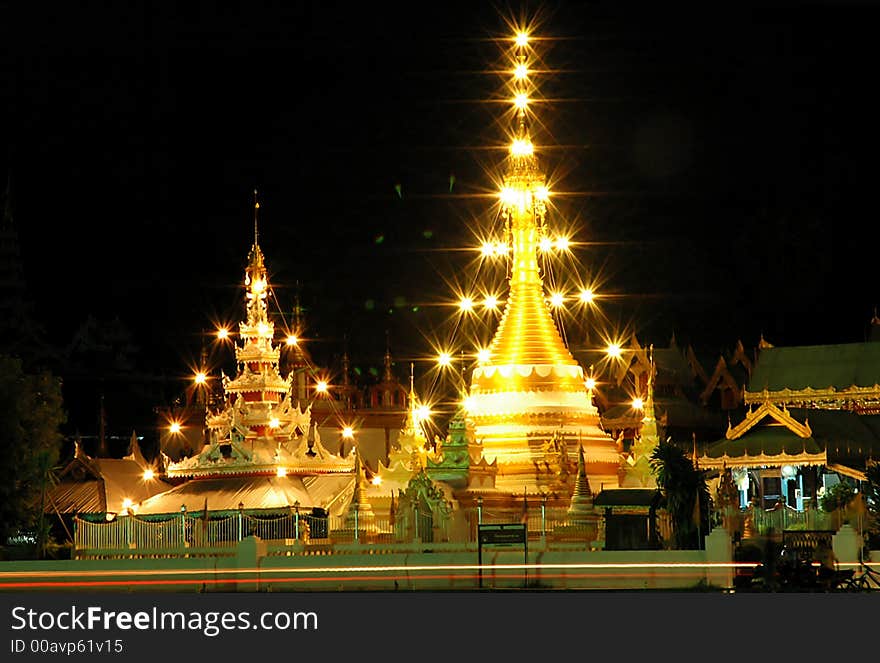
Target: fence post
x=183 y=525
x=296 y=520
x=480 y=510
x=356 y=511
x=543 y=518
x=240 y=521
x=416 y=521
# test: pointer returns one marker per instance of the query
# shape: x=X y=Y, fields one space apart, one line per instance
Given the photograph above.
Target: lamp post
x=480 y=510
x=296 y=520
x=357 y=508
x=240 y=520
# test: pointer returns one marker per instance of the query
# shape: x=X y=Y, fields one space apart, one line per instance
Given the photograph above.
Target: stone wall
x=256 y=566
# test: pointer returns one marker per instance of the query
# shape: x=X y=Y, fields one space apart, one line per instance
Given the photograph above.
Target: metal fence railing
x=139 y=535
x=183 y=530
x=785 y=519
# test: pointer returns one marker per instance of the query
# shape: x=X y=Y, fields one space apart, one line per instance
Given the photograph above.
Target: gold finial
x=256 y=211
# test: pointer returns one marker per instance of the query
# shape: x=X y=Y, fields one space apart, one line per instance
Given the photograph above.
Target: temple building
x=813 y=417
x=102 y=486
x=263 y=449
x=528 y=397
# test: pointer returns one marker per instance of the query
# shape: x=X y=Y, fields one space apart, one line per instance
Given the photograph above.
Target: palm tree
x=681 y=485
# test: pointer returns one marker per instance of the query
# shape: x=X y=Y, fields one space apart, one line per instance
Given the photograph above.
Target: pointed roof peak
x=256 y=218
x=764 y=344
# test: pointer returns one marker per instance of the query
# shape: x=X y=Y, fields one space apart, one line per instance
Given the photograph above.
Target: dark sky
x=718 y=165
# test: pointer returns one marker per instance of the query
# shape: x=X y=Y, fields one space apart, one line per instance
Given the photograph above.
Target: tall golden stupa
x=529 y=399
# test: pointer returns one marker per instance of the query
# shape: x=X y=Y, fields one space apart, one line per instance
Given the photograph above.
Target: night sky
x=717 y=167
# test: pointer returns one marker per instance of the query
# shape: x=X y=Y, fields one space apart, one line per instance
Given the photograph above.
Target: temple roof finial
x=256 y=214
x=388 y=360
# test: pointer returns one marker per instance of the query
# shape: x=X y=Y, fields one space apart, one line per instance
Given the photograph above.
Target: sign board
x=502 y=534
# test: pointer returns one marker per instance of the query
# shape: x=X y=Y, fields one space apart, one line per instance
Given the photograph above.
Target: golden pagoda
x=528 y=394
x=261 y=428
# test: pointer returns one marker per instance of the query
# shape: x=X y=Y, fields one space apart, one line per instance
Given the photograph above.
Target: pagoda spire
x=582 y=497
x=528 y=386
x=649 y=399
x=388 y=375
x=359 y=504
x=256 y=218
x=527 y=334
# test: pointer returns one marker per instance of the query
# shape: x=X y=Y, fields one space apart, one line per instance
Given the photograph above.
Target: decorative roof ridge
x=809 y=392
x=769 y=409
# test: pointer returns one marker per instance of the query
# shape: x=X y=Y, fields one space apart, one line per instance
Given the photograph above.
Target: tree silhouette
x=681 y=484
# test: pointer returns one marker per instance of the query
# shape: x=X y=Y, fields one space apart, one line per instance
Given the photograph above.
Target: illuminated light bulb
x=222 y=333
x=509 y=196
x=281 y=472
x=174 y=427
x=348 y=433
x=263 y=328
x=546 y=244
x=557 y=299
x=522 y=39
x=638 y=404
x=423 y=413
x=468 y=403
x=292 y=340
x=586 y=296
x=491 y=302
x=258 y=286
x=149 y=475
x=613 y=350
x=542 y=193
x=488 y=249
x=521 y=101
x=200 y=378
x=321 y=387
x=274 y=422
x=521 y=72
x=562 y=243
x=466 y=304
x=521 y=148
x=591 y=383
x=502 y=249
x=483 y=355
x=377 y=480
x=444 y=359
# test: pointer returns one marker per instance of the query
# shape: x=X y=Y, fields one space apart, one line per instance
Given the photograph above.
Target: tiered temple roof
x=263 y=449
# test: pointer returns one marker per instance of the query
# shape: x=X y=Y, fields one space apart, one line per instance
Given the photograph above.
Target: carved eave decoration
x=312 y=456
x=780 y=417
x=830 y=396
x=768 y=409
x=763 y=460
